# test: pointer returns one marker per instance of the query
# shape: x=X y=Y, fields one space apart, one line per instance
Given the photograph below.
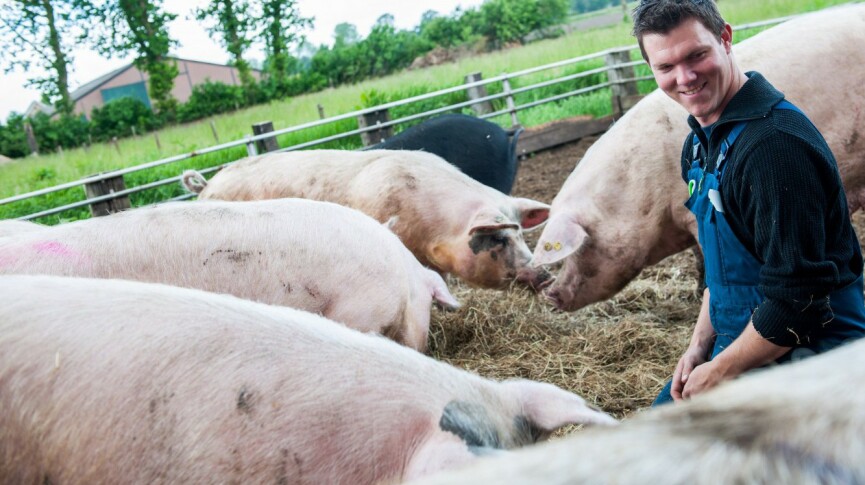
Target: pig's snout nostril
x=545 y=283
x=554 y=296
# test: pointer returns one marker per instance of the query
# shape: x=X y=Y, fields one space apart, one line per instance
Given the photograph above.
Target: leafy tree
x=13 y=141
x=345 y=34
x=235 y=24
x=511 y=20
x=282 y=25
x=140 y=26
x=36 y=33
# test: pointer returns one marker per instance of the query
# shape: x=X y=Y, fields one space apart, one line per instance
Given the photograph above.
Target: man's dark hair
x=662 y=16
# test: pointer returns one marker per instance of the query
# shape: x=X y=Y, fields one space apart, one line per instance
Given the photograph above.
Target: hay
x=616 y=354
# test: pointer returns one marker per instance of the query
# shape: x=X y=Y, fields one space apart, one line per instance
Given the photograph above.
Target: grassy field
x=37 y=172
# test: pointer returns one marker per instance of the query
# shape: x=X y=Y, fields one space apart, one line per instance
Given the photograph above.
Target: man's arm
x=698 y=350
x=748 y=351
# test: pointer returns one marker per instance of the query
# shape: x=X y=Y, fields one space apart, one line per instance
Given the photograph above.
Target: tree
x=282 y=26
x=345 y=34
x=235 y=24
x=36 y=33
x=140 y=26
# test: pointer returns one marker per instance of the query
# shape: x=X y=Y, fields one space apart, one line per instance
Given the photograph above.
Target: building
x=130 y=81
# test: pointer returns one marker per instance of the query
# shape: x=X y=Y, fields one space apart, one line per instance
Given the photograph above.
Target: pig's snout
x=557 y=297
x=536 y=278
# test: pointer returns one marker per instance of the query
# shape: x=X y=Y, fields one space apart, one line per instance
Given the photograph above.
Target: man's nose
x=685 y=76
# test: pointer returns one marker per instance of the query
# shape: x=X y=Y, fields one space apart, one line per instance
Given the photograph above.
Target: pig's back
x=317 y=257
x=124 y=382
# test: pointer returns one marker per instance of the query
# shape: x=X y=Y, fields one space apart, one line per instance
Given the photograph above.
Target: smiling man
x=783 y=264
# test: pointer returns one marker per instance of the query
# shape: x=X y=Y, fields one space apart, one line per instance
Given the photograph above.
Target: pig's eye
x=499 y=239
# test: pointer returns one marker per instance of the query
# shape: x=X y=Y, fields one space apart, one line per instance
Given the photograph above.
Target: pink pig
x=126 y=382
x=315 y=256
x=448 y=220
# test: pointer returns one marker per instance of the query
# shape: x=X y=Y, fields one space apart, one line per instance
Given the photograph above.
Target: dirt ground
x=616 y=354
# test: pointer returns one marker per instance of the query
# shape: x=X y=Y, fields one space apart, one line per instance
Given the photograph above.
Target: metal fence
x=104 y=190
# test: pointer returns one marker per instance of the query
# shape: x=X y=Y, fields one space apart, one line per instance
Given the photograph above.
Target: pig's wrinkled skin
x=9 y=227
x=112 y=381
x=315 y=256
x=798 y=423
x=622 y=207
x=449 y=221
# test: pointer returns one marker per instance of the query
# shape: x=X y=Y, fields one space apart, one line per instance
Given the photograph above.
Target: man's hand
x=690 y=360
x=703 y=378
x=747 y=352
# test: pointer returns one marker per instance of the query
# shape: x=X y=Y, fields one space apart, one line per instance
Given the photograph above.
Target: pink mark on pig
x=60 y=250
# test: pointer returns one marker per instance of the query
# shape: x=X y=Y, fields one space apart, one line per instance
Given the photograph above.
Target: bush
x=210 y=98
x=118 y=116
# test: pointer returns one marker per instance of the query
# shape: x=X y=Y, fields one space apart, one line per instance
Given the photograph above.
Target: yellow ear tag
x=548 y=247
x=691 y=185
x=557 y=246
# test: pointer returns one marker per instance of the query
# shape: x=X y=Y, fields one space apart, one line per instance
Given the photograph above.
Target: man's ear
x=727 y=38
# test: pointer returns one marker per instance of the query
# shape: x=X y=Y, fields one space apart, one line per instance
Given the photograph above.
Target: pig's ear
x=549 y=408
x=440 y=293
x=532 y=214
x=489 y=221
x=560 y=239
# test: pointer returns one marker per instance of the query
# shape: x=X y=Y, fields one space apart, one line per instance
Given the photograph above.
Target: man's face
x=694 y=68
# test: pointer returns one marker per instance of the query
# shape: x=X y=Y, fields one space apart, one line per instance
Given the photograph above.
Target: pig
x=797 y=423
x=622 y=207
x=9 y=227
x=130 y=382
x=450 y=222
x=315 y=256
x=480 y=149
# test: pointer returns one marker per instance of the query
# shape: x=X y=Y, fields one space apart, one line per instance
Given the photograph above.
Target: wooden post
x=506 y=88
x=268 y=144
x=31 y=139
x=623 y=95
x=372 y=119
x=158 y=145
x=134 y=133
x=116 y=145
x=213 y=129
x=103 y=187
x=320 y=112
x=478 y=92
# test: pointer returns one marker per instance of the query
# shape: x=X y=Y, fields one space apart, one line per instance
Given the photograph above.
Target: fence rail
x=618 y=74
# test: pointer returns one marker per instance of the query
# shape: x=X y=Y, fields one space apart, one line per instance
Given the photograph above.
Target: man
x=783 y=264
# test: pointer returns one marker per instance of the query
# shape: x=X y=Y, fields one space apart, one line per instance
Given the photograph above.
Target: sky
x=197 y=44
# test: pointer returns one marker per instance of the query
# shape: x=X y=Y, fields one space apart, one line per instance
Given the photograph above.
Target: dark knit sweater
x=783 y=198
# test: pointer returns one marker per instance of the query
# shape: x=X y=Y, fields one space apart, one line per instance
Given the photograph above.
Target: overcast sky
x=196 y=44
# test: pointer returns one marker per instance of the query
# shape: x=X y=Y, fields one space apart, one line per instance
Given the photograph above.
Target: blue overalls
x=733 y=273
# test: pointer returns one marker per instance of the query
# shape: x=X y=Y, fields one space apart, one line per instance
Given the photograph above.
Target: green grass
x=35 y=172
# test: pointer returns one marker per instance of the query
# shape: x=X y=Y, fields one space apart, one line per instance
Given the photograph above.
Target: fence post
x=104 y=187
x=31 y=139
x=213 y=129
x=320 y=111
x=372 y=119
x=506 y=88
x=477 y=92
x=624 y=95
x=268 y=144
x=251 y=151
